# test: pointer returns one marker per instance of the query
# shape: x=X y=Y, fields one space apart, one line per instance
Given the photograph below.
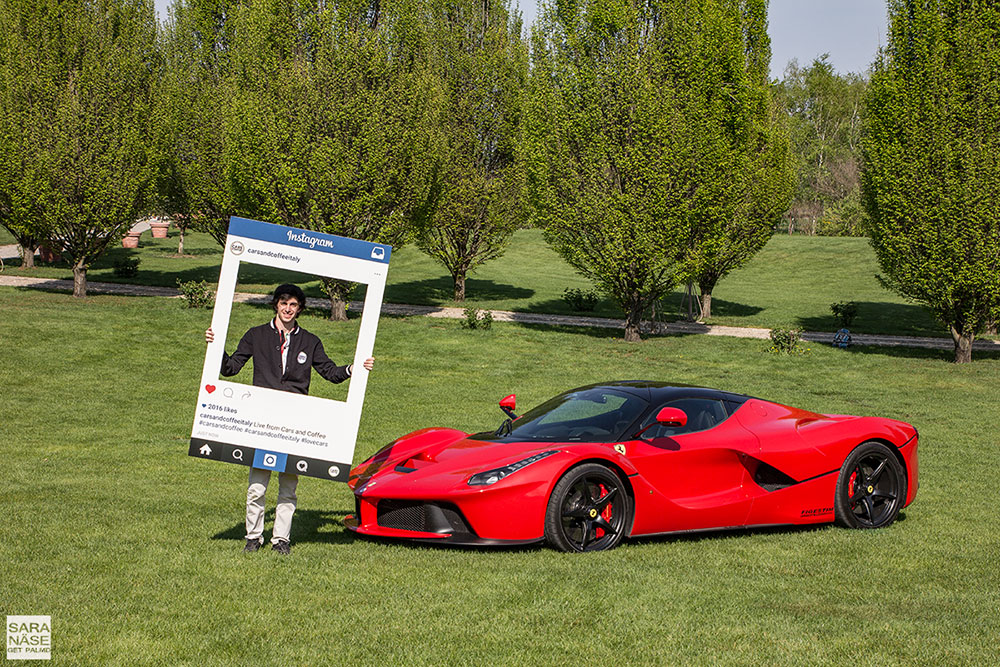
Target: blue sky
x=851 y=31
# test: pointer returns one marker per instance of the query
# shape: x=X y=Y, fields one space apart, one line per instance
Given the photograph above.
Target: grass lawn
x=791 y=283
x=133 y=548
x=6 y=237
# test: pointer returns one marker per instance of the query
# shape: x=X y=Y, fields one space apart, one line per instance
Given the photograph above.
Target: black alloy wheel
x=871 y=488
x=589 y=510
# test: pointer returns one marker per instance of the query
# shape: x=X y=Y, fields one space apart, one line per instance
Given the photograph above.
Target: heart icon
x=210 y=388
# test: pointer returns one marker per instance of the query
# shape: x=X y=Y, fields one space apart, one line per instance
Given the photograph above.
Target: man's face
x=288 y=309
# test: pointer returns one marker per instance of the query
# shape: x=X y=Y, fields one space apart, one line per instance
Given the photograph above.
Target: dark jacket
x=305 y=352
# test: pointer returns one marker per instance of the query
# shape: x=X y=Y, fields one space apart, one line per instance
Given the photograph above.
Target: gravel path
x=508 y=316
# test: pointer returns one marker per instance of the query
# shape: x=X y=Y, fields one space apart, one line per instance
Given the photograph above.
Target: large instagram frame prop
x=279 y=430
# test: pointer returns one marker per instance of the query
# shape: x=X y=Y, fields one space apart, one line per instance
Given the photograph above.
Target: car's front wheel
x=589 y=510
x=871 y=488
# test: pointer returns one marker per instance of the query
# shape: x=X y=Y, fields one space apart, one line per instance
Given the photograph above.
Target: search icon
x=238 y=454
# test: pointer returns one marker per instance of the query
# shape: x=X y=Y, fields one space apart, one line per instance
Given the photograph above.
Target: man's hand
x=369 y=363
x=209 y=336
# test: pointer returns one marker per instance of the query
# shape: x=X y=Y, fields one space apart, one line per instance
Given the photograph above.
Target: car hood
x=443 y=453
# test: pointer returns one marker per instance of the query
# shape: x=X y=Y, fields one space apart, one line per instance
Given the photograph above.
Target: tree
x=22 y=171
x=197 y=47
x=87 y=114
x=930 y=180
x=642 y=123
x=329 y=128
x=754 y=179
x=824 y=112
x=481 y=62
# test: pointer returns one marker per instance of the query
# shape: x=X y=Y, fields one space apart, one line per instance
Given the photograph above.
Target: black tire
x=871 y=487
x=589 y=510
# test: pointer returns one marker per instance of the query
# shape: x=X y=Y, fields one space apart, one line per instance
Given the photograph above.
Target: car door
x=693 y=477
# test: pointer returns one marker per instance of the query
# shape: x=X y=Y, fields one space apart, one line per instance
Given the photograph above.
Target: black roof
x=664 y=391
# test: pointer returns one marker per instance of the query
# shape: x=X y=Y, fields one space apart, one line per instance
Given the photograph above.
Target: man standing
x=284 y=355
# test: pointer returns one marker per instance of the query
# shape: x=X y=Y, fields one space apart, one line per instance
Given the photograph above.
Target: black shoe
x=253 y=545
x=282 y=547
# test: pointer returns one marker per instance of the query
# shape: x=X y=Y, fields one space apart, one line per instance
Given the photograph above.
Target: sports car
x=597 y=464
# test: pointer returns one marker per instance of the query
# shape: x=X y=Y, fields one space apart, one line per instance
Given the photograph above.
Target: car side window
x=702 y=414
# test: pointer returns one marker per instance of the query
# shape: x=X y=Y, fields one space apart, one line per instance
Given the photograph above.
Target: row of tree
x=645 y=138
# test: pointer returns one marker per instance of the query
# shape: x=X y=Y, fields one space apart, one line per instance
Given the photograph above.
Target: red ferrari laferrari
x=597 y=464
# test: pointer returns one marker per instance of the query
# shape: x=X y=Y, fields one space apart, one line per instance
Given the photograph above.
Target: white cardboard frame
x=279 y=430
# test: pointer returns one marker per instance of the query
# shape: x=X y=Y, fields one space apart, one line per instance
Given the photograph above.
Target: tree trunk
x=338 y=308
x=632 y=322
x=28 y=257
x=706 y=302
x=79 y=280
x=459 y=287
x=963 y=345
x=339 y=292
x=991 y=329
x=180 y=243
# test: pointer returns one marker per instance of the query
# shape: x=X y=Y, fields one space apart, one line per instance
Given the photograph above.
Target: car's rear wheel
x=871 y=488
x=589 y=510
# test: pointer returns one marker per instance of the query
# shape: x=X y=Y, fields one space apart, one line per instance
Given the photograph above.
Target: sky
x=851 y=31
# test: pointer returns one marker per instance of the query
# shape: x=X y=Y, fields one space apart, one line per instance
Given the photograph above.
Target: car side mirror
x=672 y=417
x=508 y=404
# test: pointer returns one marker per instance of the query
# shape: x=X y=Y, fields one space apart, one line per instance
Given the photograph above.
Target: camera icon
x=270 y=460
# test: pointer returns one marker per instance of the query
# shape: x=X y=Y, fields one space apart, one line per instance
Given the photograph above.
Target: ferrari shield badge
x=620 y=448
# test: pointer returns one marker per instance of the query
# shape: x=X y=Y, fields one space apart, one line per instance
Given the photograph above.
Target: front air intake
x=421 y=517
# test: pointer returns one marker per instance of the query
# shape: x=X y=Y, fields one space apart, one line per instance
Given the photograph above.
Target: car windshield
x=590 y=415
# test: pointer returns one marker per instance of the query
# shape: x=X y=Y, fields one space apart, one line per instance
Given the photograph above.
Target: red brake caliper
x=605 y=513
x=850 y=485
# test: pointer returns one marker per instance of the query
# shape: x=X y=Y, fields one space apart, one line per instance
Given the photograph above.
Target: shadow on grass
x=171 y=252
x=440 y=291
x=722 y=534
x=701 y=536
x=308 y=526
x=720 y=307
x=879 y=317
x=919 y=352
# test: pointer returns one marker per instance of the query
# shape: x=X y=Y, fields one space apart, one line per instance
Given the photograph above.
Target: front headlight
x=495 y=475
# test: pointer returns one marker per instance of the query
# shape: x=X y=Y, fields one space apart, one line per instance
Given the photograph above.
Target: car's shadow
x=314 y=526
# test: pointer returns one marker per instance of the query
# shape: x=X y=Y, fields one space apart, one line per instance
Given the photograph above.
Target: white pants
x=256 y=488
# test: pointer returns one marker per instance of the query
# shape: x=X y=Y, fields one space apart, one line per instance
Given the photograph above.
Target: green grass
x=791 y=283
x=133 y=548
x=6 y=237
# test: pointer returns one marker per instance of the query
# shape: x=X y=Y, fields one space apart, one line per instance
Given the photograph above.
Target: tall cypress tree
x=481 y=63
x=197 y=46
x=647 y=131
x=931 y=171
x=329 y=127
x=749 y=166
x=78 y=76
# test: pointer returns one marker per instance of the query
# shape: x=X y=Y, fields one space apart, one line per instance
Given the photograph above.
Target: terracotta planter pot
x=131 y=240
x=159 y=229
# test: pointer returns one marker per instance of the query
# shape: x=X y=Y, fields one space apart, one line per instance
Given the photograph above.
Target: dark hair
x=288 y=290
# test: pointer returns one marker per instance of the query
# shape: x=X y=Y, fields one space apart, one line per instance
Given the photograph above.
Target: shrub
x=786 y=341
x=845 y=311
x=127 y=267
x=477 y=319
x=196 y=293
x=579 y=300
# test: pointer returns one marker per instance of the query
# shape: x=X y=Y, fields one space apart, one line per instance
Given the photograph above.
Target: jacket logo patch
x=302 y=357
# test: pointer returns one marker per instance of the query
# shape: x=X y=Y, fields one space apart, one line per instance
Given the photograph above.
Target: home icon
x=205 y=450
